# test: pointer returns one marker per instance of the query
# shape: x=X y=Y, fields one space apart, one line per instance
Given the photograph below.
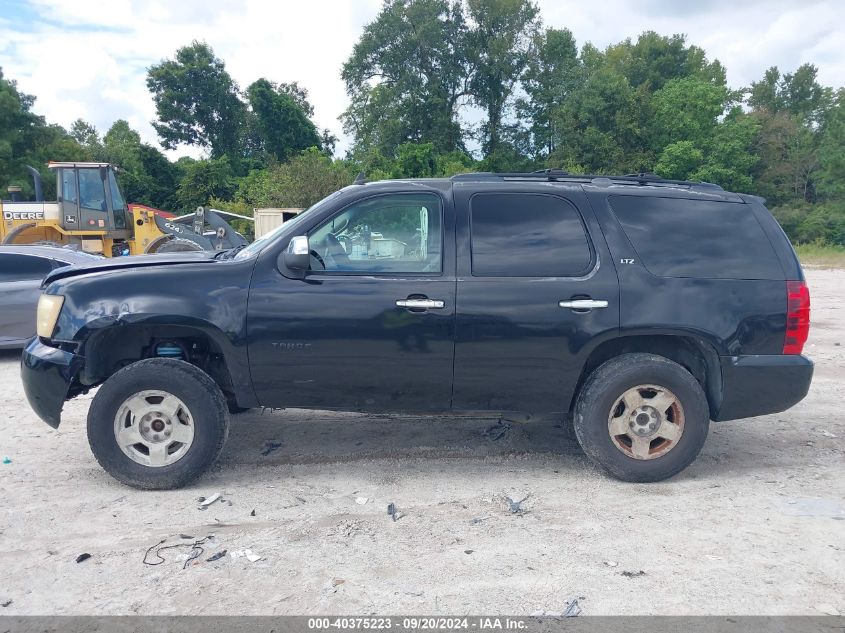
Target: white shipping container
x=269 y=219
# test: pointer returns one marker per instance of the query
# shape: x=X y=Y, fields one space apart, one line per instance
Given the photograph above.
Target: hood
x=135 y=261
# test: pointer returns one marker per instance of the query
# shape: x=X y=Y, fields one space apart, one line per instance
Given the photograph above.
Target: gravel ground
x=753 y=527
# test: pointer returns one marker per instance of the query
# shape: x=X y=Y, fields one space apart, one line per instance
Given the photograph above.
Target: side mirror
x=297 y=257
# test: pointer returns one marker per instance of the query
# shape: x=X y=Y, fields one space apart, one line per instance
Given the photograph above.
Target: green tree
x=281 y=127
x=197 y=102
x=598 y=126
x=88 y=138
x=686 y=109
x=788 y=158
x=798 y=94
x=831 y=152
x=299 y=183
x=499 y=46
x=553 y=72
x=204 y=180
x=406 y=76
x=654 y=59
x=27 y=139
x=143 y=172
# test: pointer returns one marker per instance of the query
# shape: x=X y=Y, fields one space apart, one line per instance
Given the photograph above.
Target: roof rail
x=558 y=175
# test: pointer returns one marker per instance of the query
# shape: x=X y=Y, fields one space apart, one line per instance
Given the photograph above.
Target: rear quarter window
x=14 y=267
x=677 y=237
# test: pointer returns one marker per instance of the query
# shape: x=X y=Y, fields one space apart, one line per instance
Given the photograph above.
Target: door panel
x=337 y=339
x=20 y=287
x=516 y=347
x=17 y=317
x=342 y=342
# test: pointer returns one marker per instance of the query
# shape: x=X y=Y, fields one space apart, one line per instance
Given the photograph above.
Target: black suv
x=636 y=309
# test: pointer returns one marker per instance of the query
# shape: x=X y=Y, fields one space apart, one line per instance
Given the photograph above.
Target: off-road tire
x=194 y=388
x=613 y=378
x=178 y=245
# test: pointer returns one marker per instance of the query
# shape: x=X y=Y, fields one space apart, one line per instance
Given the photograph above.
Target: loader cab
x=89 y=198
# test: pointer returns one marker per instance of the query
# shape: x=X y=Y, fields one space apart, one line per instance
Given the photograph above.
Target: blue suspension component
x=168 y=350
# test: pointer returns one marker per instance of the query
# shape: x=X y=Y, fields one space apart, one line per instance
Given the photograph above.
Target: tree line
x=438 y=87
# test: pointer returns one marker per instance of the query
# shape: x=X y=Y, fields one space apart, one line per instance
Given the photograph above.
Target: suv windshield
x=258 y=245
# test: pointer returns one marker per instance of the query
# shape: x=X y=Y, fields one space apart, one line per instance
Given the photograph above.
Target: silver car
x=21 y=270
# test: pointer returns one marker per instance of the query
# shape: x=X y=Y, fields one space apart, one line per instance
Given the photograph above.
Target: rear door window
x=527 y=235
x=15 y=267
x=710 y=239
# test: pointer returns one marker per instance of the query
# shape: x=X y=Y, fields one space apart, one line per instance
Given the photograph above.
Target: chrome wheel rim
x=154 y=428
x=646 y=422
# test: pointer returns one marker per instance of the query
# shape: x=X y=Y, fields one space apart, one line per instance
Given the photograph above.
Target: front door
x=536 y=292
x=371 y=327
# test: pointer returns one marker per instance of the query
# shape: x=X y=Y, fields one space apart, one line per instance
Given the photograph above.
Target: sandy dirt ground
x=755 y=526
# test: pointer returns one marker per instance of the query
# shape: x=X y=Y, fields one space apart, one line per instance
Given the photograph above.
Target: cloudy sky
x=88 y=58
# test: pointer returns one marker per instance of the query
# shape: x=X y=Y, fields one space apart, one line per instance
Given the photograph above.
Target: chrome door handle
x=583 y=304
x=421 y=304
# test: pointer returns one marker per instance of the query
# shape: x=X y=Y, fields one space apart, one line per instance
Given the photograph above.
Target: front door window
x=400 y=233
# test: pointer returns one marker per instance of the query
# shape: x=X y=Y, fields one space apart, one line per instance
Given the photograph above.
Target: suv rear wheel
x=641 y=417
x=158 y=423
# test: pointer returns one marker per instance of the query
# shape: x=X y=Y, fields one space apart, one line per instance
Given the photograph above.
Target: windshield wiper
x=229 y=253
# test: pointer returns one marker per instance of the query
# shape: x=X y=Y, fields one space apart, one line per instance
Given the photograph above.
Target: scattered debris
x=246 y=553
x=572 y=610
x=827 y=609
x=252 y=514
x=477 y=520
x=393 y=512
x=361 y=501
x=83 y=557
x=7 y=460
x=196 y=551
x=497 y=431
x=337 y=581
x=209 y=500
x=633 y=574
x=269 y=447
x=611 y=563
x=300 y=499
x=468 y=551
x=516 y=506
x=5 y=604
x=216 y=556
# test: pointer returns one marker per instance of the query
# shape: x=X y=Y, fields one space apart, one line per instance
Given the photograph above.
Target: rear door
x=20 y=282
x=536 y=292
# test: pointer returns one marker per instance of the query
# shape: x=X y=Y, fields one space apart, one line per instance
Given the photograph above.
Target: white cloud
x=88 y=59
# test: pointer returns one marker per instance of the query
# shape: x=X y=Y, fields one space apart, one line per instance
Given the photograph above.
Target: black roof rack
x=558 y=175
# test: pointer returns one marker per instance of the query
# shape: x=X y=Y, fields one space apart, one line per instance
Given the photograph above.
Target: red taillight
x=797 y=317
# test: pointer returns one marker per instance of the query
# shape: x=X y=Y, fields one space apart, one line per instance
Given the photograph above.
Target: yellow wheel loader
x=91 y=214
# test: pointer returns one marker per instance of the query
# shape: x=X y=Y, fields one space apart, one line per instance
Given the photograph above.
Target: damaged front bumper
x=48 y=374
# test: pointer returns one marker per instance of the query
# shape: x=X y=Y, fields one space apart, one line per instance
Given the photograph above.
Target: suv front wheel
x=641 y=417
x=158 y=424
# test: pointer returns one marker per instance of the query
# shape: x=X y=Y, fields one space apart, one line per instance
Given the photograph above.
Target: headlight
x=49 y=307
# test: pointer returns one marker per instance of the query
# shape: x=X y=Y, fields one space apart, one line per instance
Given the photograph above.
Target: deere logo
x=23 y=215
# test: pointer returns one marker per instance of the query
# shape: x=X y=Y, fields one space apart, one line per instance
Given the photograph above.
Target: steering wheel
x=336 y=251
x=316 y=256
